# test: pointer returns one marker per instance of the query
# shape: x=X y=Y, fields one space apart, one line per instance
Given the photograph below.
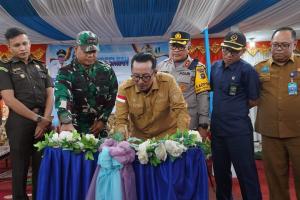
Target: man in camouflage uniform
x=183 y=68
x=85 y=90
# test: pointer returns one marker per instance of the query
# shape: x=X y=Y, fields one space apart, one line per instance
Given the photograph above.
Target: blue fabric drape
x=23 y=12
x=250 y=8
x=108 y=185
x=144 y=17
x=182 y=179
x=64 y=175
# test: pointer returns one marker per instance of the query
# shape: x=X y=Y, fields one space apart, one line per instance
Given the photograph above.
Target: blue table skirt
x=65 y=175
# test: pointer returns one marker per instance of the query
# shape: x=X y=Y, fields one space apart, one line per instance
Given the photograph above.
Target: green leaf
x=89 y=155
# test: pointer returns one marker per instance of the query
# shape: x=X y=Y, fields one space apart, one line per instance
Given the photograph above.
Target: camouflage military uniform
x=198 y=104
x=85 y=95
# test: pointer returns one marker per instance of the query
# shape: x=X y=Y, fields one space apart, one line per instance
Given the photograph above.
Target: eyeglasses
x=177 y=47
x=144 y=77
x=231 y=51
x=284 y=45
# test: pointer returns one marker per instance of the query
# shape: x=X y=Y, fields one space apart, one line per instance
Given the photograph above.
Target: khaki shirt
x=198 y=104
x=159 y=112
x=278 y=113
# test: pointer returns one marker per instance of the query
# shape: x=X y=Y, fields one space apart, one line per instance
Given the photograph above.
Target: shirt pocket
x=20 y=80
x=161 y=102
x=265 y=77
x=136 y=110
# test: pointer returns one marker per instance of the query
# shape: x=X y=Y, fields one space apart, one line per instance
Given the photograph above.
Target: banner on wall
x=37 y=50
x=118 y=56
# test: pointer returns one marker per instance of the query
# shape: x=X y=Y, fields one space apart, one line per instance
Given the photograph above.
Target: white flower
x=197 y=134
x=80 y=145
x=66 y=135
x=90 y=137
x=143 y=146
x=143 y=157
x=174 y=148
x=55 y=137
x=161 y=152
x=142 y=152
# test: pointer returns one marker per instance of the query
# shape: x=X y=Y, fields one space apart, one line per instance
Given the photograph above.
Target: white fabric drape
x=283 y=13
x=193 y=16
x=71 y=17
x=6 y=21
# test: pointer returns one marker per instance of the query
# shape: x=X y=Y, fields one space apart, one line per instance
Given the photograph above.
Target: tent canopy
x=134 y=21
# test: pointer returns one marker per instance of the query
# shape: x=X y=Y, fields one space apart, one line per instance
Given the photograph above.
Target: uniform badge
x=37 y=66
x=177 y=36
x=265 y=69
x=22 y=75
x=121 y=99
x=187 y=63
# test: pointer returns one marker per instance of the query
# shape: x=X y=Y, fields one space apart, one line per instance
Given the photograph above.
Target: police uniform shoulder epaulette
x=127 y=84
x=263 y=61
x=166 y=60
x=105 y=64
x=3 y=67
x=201 y=64
x=38 y=61
x=297 y=55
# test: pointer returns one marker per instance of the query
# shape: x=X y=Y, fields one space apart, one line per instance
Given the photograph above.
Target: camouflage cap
x=88 y=41
x=179 y=37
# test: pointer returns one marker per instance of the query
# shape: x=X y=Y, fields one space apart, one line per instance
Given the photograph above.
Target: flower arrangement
x=153 y=151
x=156 y=151
x=72 y=141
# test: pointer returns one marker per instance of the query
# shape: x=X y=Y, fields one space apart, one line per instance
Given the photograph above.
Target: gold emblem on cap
x=234 y=37
x=177 y=36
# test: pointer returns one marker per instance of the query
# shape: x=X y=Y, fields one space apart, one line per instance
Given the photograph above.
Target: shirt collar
x=16 y=60
x=292 y=58
x=231 y=66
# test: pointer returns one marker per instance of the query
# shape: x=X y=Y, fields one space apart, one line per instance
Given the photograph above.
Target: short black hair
x=13 y=32
x=293 y=32
x=144 y=57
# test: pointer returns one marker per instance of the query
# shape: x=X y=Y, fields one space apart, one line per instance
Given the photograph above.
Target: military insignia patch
x=121 y=99
x=177 y=36
x=265 y=69
x=183 y=87
x=3 y=69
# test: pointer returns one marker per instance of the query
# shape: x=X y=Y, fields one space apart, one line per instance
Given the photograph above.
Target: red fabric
x=37 y=50
x=198 y=49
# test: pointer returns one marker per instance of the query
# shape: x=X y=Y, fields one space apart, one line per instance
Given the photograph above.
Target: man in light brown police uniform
x=191 y=77
x=151 y=102
x=278 y=115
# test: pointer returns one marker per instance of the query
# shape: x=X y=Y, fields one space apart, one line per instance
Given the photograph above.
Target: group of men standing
x=160 y=98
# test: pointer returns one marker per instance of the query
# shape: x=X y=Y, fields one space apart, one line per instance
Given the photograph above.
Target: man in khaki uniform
x=278 y=115
x=151 y=102
x=189 y=73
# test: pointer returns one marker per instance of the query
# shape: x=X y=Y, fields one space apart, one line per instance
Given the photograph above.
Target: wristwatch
x=38 y=118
